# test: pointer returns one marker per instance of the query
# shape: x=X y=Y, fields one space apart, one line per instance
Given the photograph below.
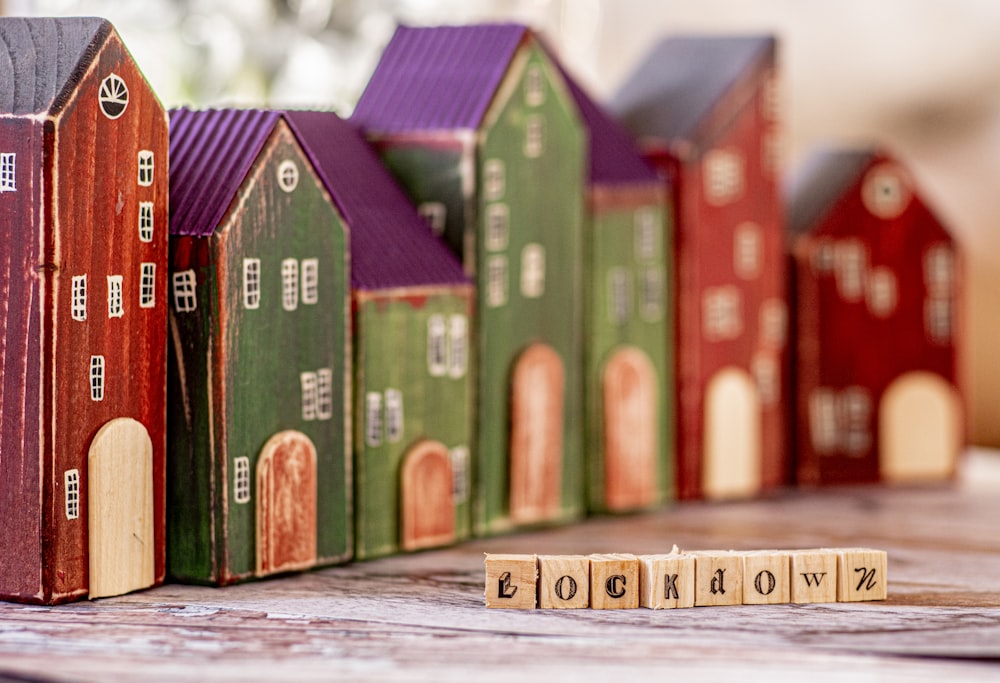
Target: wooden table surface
x=421 y=617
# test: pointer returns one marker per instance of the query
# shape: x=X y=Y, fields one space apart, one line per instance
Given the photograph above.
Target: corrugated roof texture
x=614 y=156
x=437 y=78
x=41 y=60
x=211 y=153
x=682 y=79
x=822 y=181
x=391 y=245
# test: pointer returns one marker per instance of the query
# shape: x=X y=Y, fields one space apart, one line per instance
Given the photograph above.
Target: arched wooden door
x=427 y=509
x=732 y=441
x=286 y=503
x=920 y=428
x=120 y=509
x=536 y=434
x=631 y=409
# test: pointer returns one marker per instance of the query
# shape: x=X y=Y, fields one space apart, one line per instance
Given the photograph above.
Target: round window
x=886 y=191
x=288 y=175
x=113 y=96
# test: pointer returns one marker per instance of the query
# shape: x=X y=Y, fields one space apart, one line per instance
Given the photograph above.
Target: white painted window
x=773 y=323
x=823 y=257
x=459 y=473
x=823 y=420
x=78 y=301
x=770 y=97
x=938 y=319
x=116 y=305
x=533 y=271
x=885 y=192
x=497 y=227
x=241 y=479
x=185 y=300
x=534 y=86
x=147 y=285
x=310 y=395
x=71 y=479
x=8 y=172
x=851 y=263
x=288 y=175
x=458 y=346
x=767 y=374
x=647 y=233
x=619 y=295
x=393 y=415
x=436 y=214
x=939 y=270
x=145 y=168
x=113 y=96
x=437 y=346
x=145 y=221
x=251 y=283
x=289 y=284
x=534 y=136
x=373 y=418
x=748 y=250
x=496 y=280
x=724 y=173
x=721 y=315
x=324 y=393
x=652 y=293
x=97 y=378
x=882 y=291
x=772 y=152
x=494 y=179
x=310 y=280
x=855 y=421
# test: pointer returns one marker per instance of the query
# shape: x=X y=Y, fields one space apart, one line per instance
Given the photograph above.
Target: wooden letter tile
x=614 y=581
x=861 y=574
x=813 y=576
x=563 y=581
x=666 y=581
x=718 y=578
x=510 y=581
x=765 y=577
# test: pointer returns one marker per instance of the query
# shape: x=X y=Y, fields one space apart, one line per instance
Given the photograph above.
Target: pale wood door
x=732 y=441
x=536 y=434
x=286 y=504
x=920 y=428
x=120 y=509
x=631 y=410
x=427 y=509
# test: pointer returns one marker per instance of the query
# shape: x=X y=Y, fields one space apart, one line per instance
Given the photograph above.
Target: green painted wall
x=265 y=350
x=391 y=353
x=627 y=254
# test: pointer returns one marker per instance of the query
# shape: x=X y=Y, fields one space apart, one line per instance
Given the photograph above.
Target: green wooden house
x=479 y=126
x=259 y=462
x=413 y=352
x=628 y=341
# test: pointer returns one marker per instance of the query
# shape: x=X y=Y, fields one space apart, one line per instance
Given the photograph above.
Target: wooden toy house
x=259 y=468
x=877 y=282
x=479 y=127
x=413 y=351
x=704 y=109
x=83 y=262
x=628 y=375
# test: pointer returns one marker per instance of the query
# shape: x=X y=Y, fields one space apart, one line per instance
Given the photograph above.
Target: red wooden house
x=83 y=249
x=704 y=109
x=877 y=282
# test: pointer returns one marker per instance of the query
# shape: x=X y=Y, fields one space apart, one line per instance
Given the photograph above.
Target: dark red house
x=877 y=282
x=705 y=111
x=83 y=248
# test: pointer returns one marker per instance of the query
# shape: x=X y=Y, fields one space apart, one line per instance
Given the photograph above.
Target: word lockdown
x=685 y=579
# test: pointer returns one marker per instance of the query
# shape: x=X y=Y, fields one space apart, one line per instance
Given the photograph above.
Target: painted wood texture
x=426 y=502
x=286 y=504
x=244 y=373
x=422 y=615
x=82 y=171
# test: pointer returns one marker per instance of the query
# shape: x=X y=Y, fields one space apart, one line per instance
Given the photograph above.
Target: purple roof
x=391 y=245
x=614 y=156
x=211 y=153
x=437 y=78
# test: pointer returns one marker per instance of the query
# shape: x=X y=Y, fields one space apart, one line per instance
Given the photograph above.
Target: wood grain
x=421 y=616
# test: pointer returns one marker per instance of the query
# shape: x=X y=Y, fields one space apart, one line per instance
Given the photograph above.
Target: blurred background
x=921 y=77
